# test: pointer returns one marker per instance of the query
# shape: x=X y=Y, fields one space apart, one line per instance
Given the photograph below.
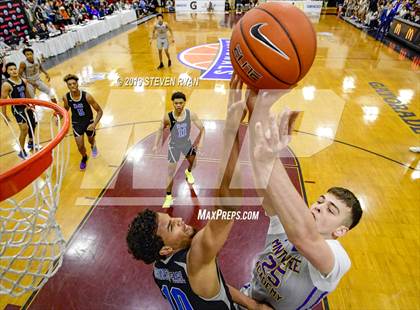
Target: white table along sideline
x=76 y=34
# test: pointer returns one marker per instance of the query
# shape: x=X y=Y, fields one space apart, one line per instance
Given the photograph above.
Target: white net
x=31 y=242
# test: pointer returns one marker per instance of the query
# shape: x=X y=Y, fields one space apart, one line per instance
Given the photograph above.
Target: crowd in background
x=49 y=16
x=380 y=13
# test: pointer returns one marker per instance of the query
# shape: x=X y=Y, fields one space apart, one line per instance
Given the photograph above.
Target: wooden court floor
x=350 y=136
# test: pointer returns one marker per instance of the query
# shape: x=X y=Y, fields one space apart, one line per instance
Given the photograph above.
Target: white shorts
x=41 y=86
x=162 y=44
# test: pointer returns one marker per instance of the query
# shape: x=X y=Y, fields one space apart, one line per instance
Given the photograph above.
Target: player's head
x=178 y=100
x=336 y=212
x=159 y=18
x=29 y=53
x=153 y=235
x=11 y=70
x=72 y=82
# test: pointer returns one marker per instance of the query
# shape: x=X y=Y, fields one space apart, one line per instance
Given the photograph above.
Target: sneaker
x=169 y=63
x=189 y=177
x=414 y=149
x=34 y=147
x=168 y=202
x=94 y=151
x=22 y=155
x=83 y=163
x=160 y=66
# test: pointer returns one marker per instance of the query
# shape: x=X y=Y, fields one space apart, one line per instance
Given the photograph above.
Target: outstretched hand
x=236 y=106
x=271 y=141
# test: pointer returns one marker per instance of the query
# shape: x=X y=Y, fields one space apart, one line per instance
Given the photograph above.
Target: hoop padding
x=23 y=174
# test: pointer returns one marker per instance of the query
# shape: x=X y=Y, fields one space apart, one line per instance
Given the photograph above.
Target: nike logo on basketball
x=257 y=35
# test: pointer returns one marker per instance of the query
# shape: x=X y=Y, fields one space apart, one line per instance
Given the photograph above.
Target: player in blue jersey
x=186 y=268
x=81 y=103
x=14 y=88
x=179 y=120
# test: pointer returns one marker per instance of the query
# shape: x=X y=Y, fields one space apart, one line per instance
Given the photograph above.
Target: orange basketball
x=273 y=46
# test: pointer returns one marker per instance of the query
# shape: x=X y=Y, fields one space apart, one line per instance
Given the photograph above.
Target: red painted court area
x=99 y=273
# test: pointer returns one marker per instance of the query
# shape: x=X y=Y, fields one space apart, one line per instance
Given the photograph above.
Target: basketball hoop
x=31 y=242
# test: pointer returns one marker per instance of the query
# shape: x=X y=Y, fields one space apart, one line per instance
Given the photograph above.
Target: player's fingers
x=238 y=89
x=268 y=131
x=283 y=122
x=292 y=120
x=276 y=138
x=240 y=84
x=259 y=135
x=232 y=78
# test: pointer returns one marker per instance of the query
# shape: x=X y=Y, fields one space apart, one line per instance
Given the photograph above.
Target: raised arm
x=209 y=241
x=286 y=202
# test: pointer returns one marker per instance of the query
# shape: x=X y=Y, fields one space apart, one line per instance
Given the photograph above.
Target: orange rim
x=21 y=175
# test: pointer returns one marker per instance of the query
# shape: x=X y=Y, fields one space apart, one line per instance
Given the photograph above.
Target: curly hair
x=69 y=77
x=143 y=242
x=178 y=95
x=27 y=50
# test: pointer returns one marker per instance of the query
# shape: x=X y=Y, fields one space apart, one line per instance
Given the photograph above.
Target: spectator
x=239 y=7
x=227 y=6
x=65 y=16
x=4 y=49
x=414 y=17
x=51 y=28
x=210 y=7
x=386 y=18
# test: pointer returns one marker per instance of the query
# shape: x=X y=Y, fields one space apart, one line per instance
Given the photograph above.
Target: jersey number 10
x=181 y=300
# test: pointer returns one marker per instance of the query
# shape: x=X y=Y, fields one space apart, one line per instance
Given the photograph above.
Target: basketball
x=273 y=46
x=134 y=155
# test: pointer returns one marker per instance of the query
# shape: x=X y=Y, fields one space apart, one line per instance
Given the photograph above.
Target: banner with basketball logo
x=13 y=20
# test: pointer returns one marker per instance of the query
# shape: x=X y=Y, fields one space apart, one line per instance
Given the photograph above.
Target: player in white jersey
x=160 y=33
x=30 y=69
x=302 y=261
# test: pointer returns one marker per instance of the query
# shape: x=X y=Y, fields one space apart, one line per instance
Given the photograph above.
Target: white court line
x=179 y=201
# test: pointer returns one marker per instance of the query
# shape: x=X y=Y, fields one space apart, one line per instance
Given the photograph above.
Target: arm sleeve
x=275 y=227
x=341 y=266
